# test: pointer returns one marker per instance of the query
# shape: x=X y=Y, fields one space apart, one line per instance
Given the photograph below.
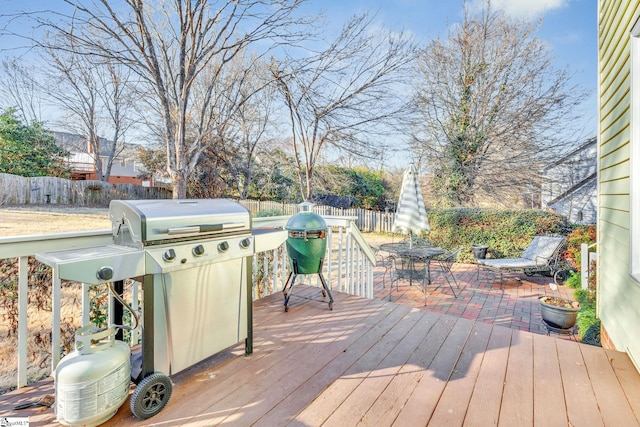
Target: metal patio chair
x=383 y=261
x=444 y=264
x=414 y=269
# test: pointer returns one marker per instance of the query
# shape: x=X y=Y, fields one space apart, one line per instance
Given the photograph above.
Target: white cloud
x=522 y=8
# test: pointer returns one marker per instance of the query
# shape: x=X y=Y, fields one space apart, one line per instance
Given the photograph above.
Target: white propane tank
x=93 y=380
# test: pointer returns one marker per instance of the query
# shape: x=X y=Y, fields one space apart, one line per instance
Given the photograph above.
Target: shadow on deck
x=371 y=362
x=514 y=304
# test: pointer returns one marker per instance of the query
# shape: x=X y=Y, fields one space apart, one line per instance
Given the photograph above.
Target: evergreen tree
x=28 y=150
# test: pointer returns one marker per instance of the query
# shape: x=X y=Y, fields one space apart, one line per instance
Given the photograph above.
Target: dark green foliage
x=587 y=321
x=573 y=281
x=592 y=335
x=363 y=187
x=582 y=234
x=28 y=150
x=274 y=178
x=507 y=233
x=269 y=212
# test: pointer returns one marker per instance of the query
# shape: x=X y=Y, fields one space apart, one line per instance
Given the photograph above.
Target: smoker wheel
x=150 y=396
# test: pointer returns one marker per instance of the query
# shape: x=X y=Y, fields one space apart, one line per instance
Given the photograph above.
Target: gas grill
x=193 y=260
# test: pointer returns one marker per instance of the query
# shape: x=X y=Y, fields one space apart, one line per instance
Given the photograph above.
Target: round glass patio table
x=414 y=253
x=403 y=249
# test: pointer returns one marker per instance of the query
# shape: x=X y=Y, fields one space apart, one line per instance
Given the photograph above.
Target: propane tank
x=93 y=380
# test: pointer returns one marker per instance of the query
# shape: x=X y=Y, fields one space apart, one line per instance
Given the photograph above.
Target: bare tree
x=346 y=96
x=19 y=89
x=94 y=98
x=236 y=104
x=170 y=46
x=493 y=109
x=253 y=124
x=118 y=104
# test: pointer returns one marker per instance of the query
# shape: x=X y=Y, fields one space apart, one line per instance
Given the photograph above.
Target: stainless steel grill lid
x=147 y=222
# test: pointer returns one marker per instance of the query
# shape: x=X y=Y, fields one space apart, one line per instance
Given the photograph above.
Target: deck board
x=629 y=378
x=484 y=406
x=389 y=404
x=516 y=408
x=371 y=362
x=452 y=406
x=422 y=402
x=353 y=367
x=582 y=408
x=614 y=406
x=548 y=395
x=351 y=410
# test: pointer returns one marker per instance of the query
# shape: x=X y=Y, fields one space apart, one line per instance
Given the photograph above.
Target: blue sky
x=568 y=26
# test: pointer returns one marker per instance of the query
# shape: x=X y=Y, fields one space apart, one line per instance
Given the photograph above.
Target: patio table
x=413 y=252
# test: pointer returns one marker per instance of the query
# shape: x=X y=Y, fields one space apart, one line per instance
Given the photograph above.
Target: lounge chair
x=542 y=256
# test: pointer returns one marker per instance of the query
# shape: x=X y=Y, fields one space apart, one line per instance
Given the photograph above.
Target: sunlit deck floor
x=372 y=362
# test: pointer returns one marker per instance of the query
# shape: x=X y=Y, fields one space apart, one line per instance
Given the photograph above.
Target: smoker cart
x=306 y=247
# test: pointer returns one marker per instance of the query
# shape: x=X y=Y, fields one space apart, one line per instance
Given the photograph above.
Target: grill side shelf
x=83 y=265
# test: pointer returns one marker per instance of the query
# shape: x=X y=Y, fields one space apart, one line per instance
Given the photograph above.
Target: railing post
x=55 y=321
x=340 y=259
x=86 y=304
x=584 y=265
x=23 y=330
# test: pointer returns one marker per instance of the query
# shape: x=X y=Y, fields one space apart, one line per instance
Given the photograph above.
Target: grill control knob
x=105 y=273
x=223 y=247
x=169 y=255
x=245 y=243
x=198 y=250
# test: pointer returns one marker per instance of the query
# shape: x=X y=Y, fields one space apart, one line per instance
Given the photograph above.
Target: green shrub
x=587 y=321
x=507 y=233
x=573 y=281
x=269 y=212
x=582 y=234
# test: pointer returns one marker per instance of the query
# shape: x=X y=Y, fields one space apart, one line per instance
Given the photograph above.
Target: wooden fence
x=367 y=221
x=19 y=190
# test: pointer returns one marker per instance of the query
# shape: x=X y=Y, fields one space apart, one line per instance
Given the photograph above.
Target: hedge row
x=507 y=233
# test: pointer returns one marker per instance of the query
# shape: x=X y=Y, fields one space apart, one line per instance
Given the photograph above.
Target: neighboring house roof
x=125 y=164
x=591 y=179
x=588 y=144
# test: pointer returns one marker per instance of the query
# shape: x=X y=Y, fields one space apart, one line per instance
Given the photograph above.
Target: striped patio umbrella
x=411 y=215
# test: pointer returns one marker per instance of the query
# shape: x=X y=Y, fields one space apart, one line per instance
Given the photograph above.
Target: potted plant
x=559 y=312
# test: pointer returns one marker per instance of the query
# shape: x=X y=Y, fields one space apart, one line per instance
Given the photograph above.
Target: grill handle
x=204 y=228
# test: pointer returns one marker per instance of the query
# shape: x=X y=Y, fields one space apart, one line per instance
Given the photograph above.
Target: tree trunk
x=180 y=185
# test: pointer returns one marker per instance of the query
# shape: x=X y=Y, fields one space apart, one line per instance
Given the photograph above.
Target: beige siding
x=619 y=295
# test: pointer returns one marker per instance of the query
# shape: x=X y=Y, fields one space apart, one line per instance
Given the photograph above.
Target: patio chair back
x=543 y=248
x=445 y=262
x=382 y=260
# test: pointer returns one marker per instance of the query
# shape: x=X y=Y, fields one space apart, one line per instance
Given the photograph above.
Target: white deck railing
x=348 y=268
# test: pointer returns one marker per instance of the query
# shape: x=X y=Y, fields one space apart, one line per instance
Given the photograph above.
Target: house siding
x=569 y=185
x=619 y=294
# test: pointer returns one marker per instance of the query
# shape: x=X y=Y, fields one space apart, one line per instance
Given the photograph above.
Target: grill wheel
x=150 y=396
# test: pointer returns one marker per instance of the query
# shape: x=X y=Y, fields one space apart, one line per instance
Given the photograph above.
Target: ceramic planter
x=559 y=312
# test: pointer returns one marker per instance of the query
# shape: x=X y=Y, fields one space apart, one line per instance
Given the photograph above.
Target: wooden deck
x=370 y=362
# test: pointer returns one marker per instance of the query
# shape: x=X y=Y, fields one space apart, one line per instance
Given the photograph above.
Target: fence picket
x=19 y=190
